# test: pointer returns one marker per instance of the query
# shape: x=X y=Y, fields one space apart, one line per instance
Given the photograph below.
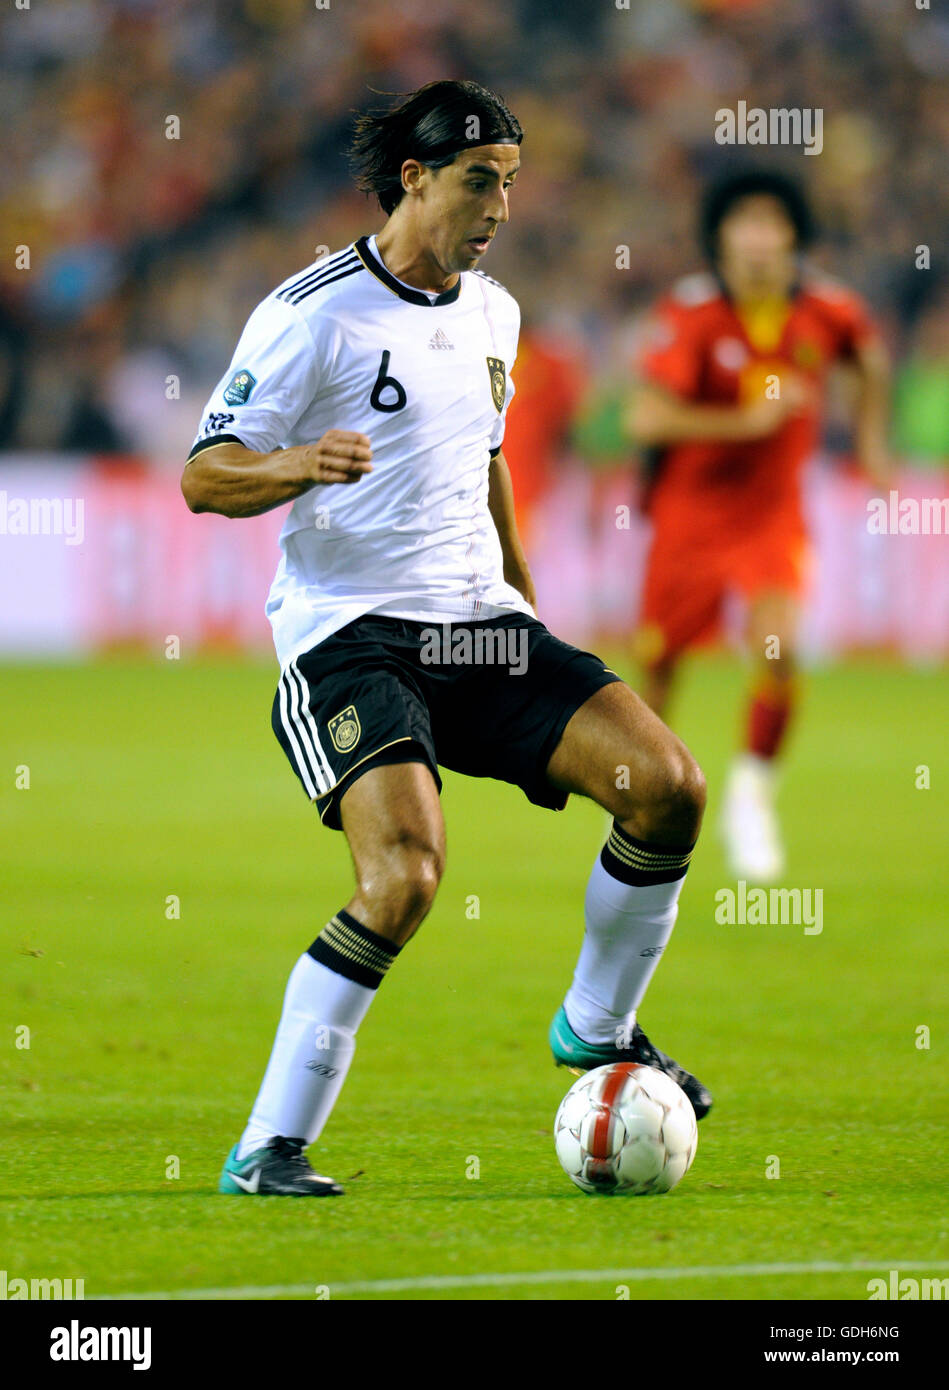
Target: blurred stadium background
x=131 y=263
x=146 y=254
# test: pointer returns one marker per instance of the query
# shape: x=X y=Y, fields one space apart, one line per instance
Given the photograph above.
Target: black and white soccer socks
x=328 y=995
x=353 y=951
x=631 y=905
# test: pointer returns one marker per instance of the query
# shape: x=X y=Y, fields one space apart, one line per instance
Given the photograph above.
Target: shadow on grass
x=480 y=1196
x=107 y=1196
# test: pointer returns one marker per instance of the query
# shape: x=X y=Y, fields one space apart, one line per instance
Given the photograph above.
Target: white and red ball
x=625 y=1128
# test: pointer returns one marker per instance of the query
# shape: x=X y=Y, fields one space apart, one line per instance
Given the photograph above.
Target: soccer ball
x=625 y=1128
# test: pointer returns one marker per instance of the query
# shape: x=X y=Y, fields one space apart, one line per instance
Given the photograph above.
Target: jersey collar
x=376 y=268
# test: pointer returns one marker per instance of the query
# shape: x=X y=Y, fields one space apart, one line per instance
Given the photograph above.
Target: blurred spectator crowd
x=147 y=253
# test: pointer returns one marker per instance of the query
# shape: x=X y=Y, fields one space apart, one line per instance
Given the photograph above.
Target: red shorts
x=688 y=579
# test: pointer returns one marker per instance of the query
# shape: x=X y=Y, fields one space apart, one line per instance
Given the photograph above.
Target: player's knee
x=682 y=794
x=420 y=879
x=779 y=671
x=401 y=891
x=672 y=811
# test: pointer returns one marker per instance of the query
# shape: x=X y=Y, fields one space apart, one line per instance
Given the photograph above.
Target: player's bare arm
x=501 y=506
x=659 y=417
x=871 y=411
x=235 y=481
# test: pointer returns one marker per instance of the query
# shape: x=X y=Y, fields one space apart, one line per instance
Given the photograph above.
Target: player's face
x=756 y=239
x=467 y=201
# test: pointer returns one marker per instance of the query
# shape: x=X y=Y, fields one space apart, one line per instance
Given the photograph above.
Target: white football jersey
x=345 y=345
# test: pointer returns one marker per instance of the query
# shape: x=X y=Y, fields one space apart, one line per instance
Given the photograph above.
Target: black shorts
x=390 y=690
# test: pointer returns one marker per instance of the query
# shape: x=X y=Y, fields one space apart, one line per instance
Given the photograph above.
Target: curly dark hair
x=722 y=195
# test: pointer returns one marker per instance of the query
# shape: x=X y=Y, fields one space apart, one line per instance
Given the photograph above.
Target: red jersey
x=704 y=349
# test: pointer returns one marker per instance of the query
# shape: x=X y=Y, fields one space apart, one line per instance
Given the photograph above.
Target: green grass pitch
x=148 y=1032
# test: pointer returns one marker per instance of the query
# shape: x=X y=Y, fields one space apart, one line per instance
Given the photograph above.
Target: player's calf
x=749 y=821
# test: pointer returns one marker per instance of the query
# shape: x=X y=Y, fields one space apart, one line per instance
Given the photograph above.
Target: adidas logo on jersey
x=439 y=339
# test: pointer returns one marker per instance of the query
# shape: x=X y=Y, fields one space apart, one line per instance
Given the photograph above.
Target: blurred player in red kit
x=550 y=385
x=728 y=407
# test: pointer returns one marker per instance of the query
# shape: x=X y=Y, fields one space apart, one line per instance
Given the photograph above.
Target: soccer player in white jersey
x=370 y=391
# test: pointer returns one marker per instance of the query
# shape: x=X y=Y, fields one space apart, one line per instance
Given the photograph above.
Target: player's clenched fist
x=341 y=456
x=766 y=415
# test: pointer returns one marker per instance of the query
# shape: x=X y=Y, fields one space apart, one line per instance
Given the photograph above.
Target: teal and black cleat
x=579 y=1056
x=277 y=1170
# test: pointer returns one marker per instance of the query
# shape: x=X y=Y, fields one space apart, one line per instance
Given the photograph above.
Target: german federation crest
x=345 y=729
x=497 y=372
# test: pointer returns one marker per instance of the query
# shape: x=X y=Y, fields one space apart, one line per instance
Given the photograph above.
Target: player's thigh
x=683 y=590
x=771 y=627
x=392 y=819
x=616 y=751
x=771 y=570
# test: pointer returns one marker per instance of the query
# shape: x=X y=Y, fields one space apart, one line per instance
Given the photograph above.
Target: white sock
x=627 y=928
x=311 y=1054
x=751 y=767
